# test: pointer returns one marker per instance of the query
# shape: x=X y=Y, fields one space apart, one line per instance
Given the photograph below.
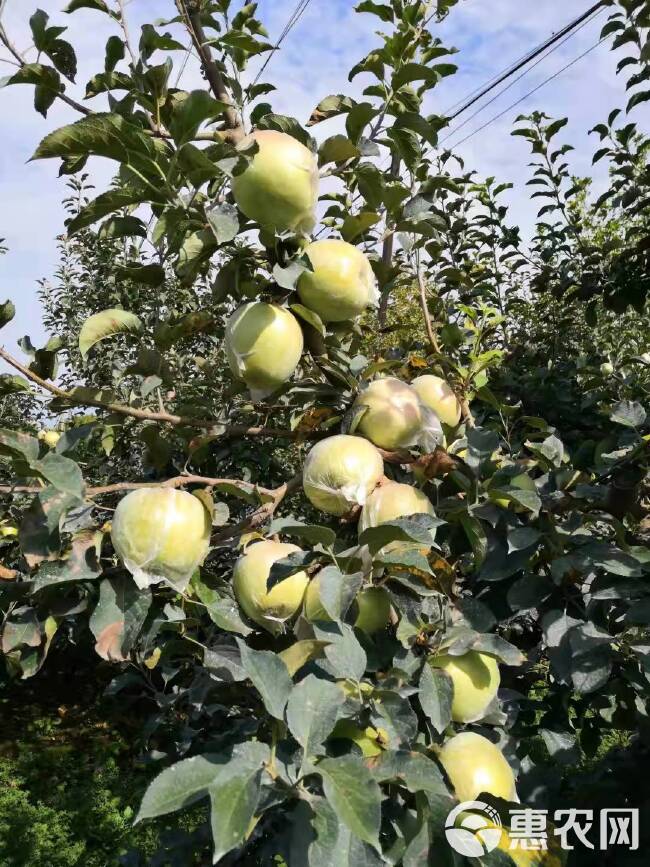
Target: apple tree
x=347 y=482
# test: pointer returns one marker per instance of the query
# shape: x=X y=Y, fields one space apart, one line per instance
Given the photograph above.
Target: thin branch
x=125 y=30
x=162 y=417
x=387 y=249
x=22 y=62
x=433 y=340
x=212 y=72
x=260 y=516
x=175 y=482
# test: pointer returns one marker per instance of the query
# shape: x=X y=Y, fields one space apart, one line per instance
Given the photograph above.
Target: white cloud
x=313 y=62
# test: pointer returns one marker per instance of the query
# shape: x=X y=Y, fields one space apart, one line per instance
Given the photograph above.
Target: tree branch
x=161 y=417
x=22 y=62
x=212 y=72
x=387 y=250
x=175 y=482
x=262 y=515
x=433 y=340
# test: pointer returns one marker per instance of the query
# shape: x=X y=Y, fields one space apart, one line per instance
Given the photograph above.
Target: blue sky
x=314 y=62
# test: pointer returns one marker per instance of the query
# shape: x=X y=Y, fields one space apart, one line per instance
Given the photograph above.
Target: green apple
x=438 y=395
x=373 y=607
x=161 y=534
x=391 y=501
x=269 y=608
x=49 y=437
x=279 y=188
x=476 y=679
x=510 y=477
x=263 y=344
x=394 y=418
x=474 y=765
x=368 y=740
x=374 y=610
x=340 y=472
x=342 y=284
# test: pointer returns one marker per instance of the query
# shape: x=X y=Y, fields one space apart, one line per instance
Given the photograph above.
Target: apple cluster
x=163 y=534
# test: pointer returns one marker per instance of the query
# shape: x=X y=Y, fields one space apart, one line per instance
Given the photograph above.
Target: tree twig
x=22 y=62
x=125 y=30
x=162 y=417
x=387 y=250
x=175 y=482
x=433 y=340
x=261 y=515
x=212 y=72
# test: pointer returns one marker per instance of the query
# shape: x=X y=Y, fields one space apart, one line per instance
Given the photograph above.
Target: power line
x=526 y=71
x=288 y=27
x=556 y=37
x=530 y=93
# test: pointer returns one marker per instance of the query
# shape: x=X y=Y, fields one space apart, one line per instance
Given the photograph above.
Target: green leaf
x=416 y=528
x=115 y=51
x=168 y=333
x=104 y=204
x=499 y=647
x=222 y=610
x=118 y=617
x=430 y=75
x=637 y=99
x=358 y=224
x=302 y=652
x=338 y=591
x=122 y=227
x=476 y=536
x=105 y=135
x=334 y=844
x=40 y=536
x=233 y=801
x=189 y=780
x=283 y=123
x=46 y=79
x=21 y=630
x=394 y=713
x=269 y=676
x=61 y=472
x=13 y=442
x=288 y=277
x=331 y=106
x=81 y=564
x=149 y=275
x=312 y=711
x=99 y=5
x=7 y=313
x=309 y=317
x=414 y=770
x=436 y=692
x=99 y=326
x=354 y=795
x=288 y=566
x=224 y=221
x=629 y=413
x=344 y=653
x=337 y=149
x=315 y=534
x=11 y=384
x=379 y=9
x=188 y=111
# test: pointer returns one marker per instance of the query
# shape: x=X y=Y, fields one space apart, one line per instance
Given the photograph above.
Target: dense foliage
x=310 y=685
